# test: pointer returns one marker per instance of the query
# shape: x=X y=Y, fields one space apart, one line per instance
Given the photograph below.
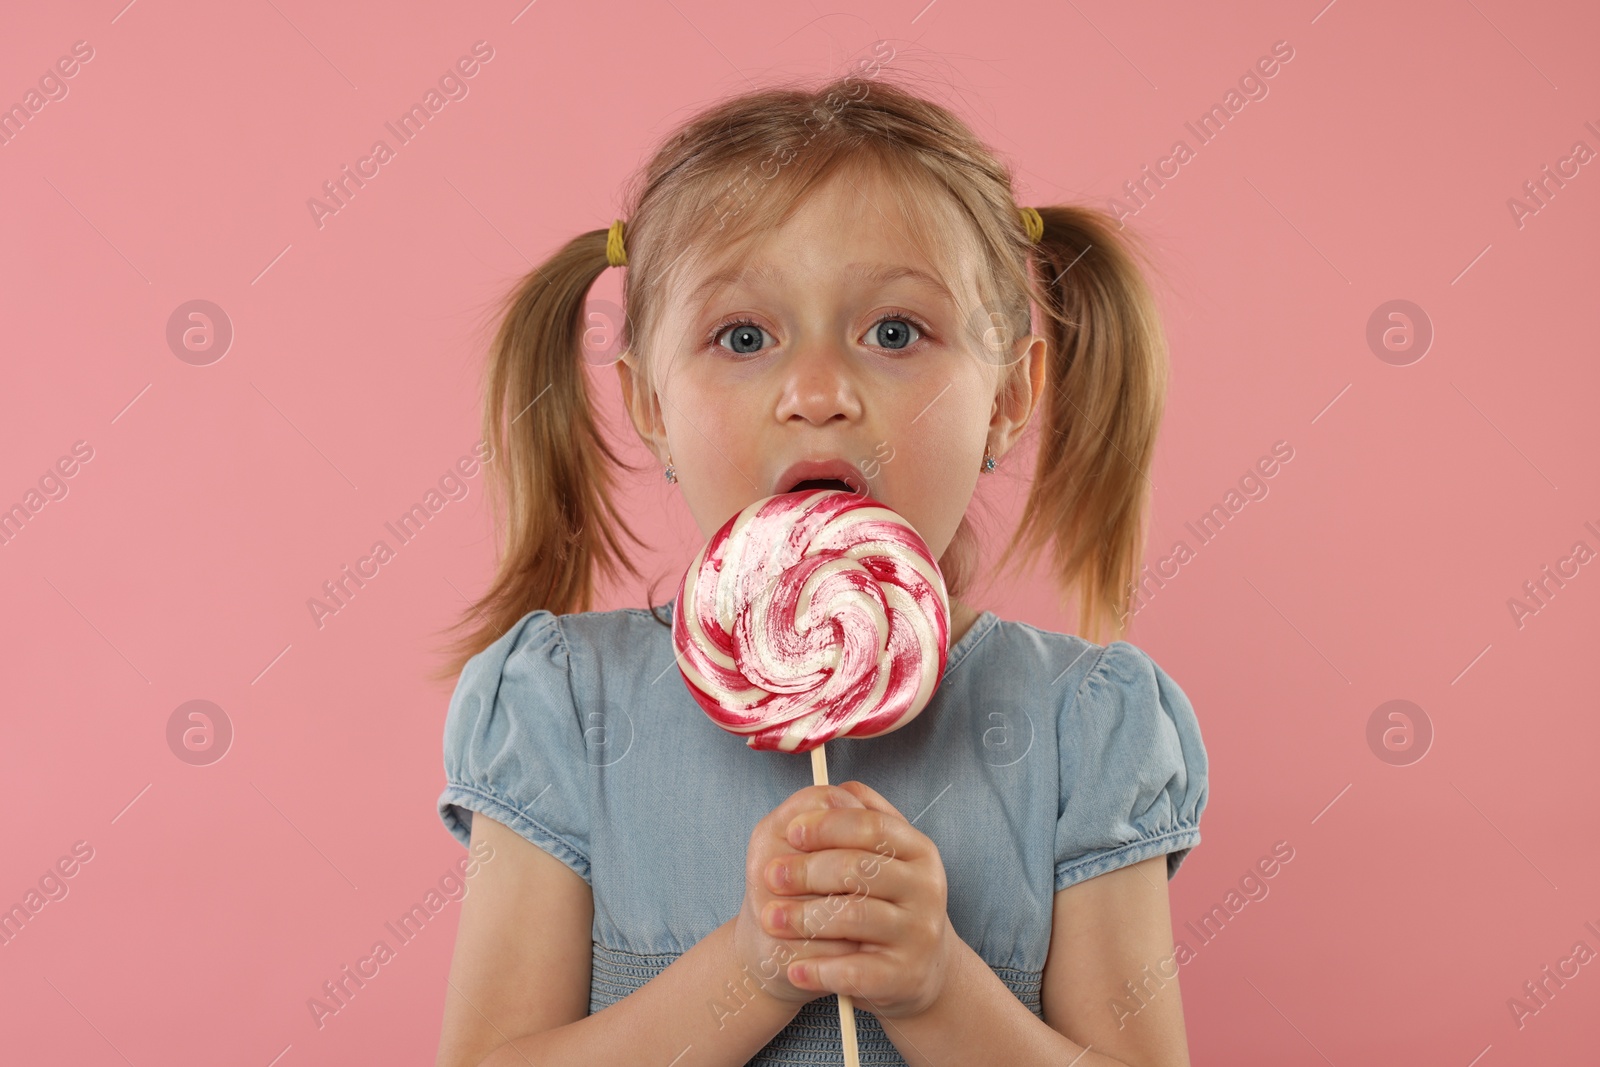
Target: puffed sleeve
x=514 y=747
x=1133 y=769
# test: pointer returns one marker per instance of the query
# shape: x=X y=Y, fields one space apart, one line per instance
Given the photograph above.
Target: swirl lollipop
x=811 y=616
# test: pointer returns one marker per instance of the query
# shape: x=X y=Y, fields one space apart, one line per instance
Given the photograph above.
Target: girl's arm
x=1114 y=982
x=519 y=980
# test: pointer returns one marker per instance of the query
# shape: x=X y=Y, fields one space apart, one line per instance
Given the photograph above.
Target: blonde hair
x=741 y=167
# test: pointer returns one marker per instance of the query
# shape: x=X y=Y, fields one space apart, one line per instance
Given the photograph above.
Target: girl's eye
x=896 y=331
x=746 y=336
x=894 y=336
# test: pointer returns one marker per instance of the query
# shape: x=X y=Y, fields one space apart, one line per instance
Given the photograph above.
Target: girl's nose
x=819 y=384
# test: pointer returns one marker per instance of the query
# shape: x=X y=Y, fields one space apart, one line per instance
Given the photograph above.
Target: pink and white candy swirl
x=811 y=616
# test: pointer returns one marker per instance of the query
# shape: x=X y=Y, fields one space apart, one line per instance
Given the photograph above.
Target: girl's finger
x=840 y=870
x=867 y=829
x=846 y=918
x=856 y=974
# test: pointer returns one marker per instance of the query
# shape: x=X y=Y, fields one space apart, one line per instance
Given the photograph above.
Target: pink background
x=219 y=498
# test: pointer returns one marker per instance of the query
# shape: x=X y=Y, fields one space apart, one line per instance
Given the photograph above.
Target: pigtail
x=551 y=471
x=1105 y=388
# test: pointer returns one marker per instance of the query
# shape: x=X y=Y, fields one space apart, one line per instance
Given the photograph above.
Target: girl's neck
x=961 y=619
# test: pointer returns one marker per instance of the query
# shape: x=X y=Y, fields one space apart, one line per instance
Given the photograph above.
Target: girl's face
x=806 y=356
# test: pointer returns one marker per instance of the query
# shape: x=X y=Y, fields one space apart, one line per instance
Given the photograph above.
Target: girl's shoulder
x=1019 y=654
x=614 y=632
x=528 y=723
x=1068 y=664
x=609 y=624
x=1132 y=766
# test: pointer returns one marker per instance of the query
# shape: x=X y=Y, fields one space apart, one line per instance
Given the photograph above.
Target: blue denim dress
x=1040 y=761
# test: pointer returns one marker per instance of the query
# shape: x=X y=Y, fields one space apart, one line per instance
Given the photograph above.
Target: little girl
x=829 y=287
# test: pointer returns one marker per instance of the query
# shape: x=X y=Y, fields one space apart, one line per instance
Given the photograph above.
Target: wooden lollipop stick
x=847 y=1003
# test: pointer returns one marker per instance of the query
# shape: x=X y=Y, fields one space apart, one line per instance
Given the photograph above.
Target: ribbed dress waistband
x=812 y=1037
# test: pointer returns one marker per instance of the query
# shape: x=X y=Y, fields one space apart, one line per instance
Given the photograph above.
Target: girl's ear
x=1018 y=398
x=644 y=410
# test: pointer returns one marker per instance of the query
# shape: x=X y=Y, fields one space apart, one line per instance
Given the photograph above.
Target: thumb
x=837 y=796
x=870 y=797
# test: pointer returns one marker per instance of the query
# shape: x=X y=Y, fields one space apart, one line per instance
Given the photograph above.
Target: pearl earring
x=670 y=474
x=988 y=462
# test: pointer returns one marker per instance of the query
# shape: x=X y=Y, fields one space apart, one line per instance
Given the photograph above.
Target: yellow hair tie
x=616 y=255
x=1033 y=222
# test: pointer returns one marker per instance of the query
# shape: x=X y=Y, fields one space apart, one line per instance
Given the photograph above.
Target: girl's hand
x=766 y=956
x=865 y=877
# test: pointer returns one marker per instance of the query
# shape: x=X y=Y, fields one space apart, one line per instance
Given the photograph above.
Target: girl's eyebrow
x=861 y=272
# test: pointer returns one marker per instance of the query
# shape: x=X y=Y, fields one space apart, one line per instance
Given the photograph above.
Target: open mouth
x=820 y=483
x=834 y=473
